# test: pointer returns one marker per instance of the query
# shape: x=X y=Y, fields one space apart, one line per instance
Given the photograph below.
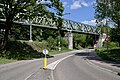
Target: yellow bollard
x=45 y=63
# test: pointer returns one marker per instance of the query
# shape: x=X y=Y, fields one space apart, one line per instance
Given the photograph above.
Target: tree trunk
x=8 y=26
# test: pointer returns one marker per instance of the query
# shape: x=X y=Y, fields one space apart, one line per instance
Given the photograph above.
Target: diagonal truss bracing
x=68 y=25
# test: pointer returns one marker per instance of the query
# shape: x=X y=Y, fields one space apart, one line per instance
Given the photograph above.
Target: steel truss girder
x=69 y=25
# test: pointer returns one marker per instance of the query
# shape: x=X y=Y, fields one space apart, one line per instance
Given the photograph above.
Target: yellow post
x=45 y=63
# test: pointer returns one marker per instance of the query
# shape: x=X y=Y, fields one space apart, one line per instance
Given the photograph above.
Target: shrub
x=113 y=54
x=52 y=43
x=21 y=50
x=64 y=43
x=111 y=44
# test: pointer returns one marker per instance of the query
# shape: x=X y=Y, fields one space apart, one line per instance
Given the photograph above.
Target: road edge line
x=102 y=68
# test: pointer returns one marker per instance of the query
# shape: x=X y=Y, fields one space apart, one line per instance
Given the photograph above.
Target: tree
x=79 y=39
x=108 y=10
x=113 y=33
x=11 y=10
x=51 y=42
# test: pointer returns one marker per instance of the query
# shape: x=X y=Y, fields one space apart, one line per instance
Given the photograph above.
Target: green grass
x=24 y=50
x=4 y=61
x=53 y=52
x=113 y=54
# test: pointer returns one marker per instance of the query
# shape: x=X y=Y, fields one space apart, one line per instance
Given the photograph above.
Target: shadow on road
x=93 y=56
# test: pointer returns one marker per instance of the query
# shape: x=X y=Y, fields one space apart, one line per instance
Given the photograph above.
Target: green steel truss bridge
x=68 y=25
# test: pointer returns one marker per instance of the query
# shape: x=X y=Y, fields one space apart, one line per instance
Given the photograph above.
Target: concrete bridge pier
x=100 y=40
x=69 y=38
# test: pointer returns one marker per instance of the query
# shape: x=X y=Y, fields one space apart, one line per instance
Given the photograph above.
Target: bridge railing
x=67 y=24
x=72 y=25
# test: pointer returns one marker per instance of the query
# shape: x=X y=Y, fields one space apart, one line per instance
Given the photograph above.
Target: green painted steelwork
x=67 y=25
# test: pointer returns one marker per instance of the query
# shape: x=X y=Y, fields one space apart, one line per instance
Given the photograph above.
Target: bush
x=64 y=43
x=113 y=54
x=111 y=44
x=21 y=50
x=52 y=43
x=79 y=47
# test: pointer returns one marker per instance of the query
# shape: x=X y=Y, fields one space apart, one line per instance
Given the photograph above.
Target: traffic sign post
x=106 y=40
x=45 y=52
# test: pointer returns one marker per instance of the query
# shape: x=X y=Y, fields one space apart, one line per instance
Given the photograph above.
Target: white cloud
x=84 y=4
x=65 y=3
x=76 y=5
x=92 y=3
x=43 y=2
x=91 y=22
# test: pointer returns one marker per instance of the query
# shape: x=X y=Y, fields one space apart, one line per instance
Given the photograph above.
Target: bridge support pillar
x=69 y=38
x=101 y=40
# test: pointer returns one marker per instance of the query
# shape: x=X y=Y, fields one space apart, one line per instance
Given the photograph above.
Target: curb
x=103 y=67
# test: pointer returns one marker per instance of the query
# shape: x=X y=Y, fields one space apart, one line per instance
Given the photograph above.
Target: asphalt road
x=21 y=70
x=72 y=68
x=78 y=68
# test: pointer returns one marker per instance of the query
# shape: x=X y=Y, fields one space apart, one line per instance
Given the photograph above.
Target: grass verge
x=4 y=61
x=113 y=54
x=52 y=52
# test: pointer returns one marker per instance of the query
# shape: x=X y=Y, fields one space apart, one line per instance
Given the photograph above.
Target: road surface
x=72 y=68
x=21 y=70
x=78 y=68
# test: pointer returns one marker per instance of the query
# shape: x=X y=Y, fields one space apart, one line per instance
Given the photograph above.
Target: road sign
x=45 y=51
x=106 y=39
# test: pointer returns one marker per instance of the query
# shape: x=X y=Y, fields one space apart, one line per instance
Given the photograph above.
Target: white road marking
x=53 y=65
x=28 y=77
x=101 y=68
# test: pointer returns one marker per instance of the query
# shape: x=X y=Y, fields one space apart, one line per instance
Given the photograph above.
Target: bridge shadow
x=82 y=54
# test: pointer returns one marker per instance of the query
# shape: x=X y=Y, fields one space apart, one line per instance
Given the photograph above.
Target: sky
x=80 y=11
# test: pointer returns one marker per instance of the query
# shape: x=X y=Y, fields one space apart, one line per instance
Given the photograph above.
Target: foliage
x=115 y=35
x=79 y=40
x=90 y=40
x=38 y=34
x=11 y=10
x=51 y=42
x=110 y=10
x=4 y=61
x=83 y=40
x=113 y=54
x=46 y=33
x=104 y=29
x=64 y=42
x=79 y=46
x=111 y=44
x=24 y=50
